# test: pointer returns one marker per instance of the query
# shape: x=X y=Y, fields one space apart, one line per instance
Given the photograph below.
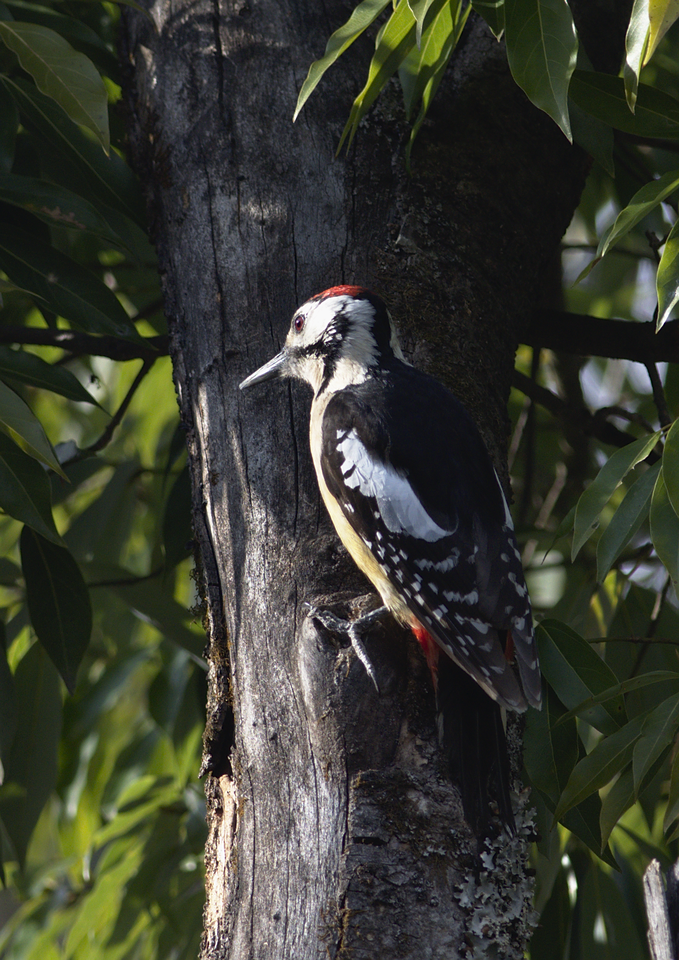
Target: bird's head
x=336 y=338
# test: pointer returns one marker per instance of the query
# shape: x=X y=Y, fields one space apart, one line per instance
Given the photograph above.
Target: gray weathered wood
x=334 y=830
x=659 y=932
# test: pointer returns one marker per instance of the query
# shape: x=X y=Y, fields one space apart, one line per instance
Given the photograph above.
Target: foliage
x=602 y=755
x=101 y=820
x=101 y=816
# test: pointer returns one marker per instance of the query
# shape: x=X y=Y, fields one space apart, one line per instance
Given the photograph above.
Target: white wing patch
x=397 y=502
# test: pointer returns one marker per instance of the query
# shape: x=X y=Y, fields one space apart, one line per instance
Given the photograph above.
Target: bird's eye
x=299 y=323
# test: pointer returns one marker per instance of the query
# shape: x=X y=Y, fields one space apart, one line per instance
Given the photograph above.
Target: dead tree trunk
x=334 y=830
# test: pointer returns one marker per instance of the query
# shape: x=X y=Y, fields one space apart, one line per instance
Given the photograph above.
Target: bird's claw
x=352 y=629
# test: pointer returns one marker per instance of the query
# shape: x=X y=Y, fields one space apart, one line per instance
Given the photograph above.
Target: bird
x=414 y=497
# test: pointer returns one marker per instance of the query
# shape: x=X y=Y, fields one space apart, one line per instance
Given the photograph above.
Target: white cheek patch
x=398 y=505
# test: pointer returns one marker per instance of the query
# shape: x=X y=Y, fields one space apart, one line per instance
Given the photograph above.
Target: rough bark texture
x=334 y=830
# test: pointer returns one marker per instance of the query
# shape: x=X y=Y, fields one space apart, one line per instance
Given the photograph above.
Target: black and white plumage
x=413 y=494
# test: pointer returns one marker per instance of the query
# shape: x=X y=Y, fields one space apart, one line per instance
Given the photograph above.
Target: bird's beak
x=276 y=367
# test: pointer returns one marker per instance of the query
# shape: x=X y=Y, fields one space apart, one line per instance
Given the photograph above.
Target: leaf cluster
x=101 y=819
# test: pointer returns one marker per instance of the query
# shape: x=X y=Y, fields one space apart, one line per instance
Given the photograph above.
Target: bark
x=334 y=829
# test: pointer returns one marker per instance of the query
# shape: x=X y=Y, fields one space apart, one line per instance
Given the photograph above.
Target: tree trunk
x=334 y=829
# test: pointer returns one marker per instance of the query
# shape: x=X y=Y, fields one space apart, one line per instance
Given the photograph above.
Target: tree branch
x=78 y=343
x=594 y=336
x=591 y=424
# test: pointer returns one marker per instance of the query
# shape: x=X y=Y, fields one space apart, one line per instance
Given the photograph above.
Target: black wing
x=413 y=477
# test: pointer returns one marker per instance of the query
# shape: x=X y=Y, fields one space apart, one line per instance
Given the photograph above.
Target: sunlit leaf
x=667 y=277
x=594 y=771
x=577 y=673
x=25 y=490
x=393 y=43
x=604 y=485
x=62 y=73
x=603 y=96
x=542 y=49
x=641 y=204
x=625 y=521
x=19 y=421
x=662 y=14
x=58 y=602
x=362 y=16
x=440 y=45
x=636 y=45
x=665 y=528
x=658 y=732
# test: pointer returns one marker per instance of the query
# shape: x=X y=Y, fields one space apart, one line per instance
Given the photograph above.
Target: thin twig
x=664 y=415
x=579 y=417
x=128 y=581
x=77 y=343
x=106 y=436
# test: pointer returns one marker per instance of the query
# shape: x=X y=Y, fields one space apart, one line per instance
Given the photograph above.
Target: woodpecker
x=414 y=497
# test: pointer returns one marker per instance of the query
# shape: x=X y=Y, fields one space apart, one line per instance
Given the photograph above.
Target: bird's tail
x=472 y=734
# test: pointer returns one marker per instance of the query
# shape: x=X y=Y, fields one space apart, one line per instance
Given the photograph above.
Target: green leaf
x=30 y=369
x=8 y=707
x=100 y=178
x=602 y=488
x=598 y=768
x=595 y=137
x=665 y=528
x=9 y=127
x=667 y=277
x=56 y=205
x=440 y=43
x=636 y=45
x=419 y=10
x=670 y=465
x=69 y=289
x=19 y=421
x=58 y=602
x=662 y=14
x=493 y=12
x=641 y=204
x=585 y=822
x=624 y=686
x=603 y=96
x=177 y=532
x=576 y=673
x=550 y=748
x=618 y=799
x=658 y=733
x=625 y=521
x=542 y=49
x=60 y=72
x=363 y=15
x=393 y=44
x=672 y=811
x=32 y=763
x=420 y=64
x=148 y=598
x=25 y=490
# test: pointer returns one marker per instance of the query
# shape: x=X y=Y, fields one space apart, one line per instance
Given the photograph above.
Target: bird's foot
x=353 y=629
